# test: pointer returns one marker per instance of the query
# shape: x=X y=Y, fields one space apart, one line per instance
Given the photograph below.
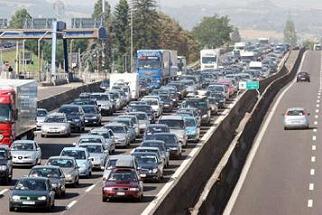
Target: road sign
x=252 y=85
x=242 y=85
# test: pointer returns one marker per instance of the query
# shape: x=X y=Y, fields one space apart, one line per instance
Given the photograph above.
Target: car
x=119 y=161
x=156 y=128
x=6 y=167
x=218 y=98
x=31 y=192
x=75 y=116
x=97 y=154
x=122 y=183
x=134 y=120
x=115 y=99
x=122 y=137
x=92 y=115
x=155 y=150
x=162 y=147
x=55 y=124
x=108 y=136
x=130 y=126
x=41 y=116
x=220 y=88
x=190 y=111
x=82 y=159
x=103 y=102
x=143 y=119
x=55 y=176
x=192 y=129
x=143 y=108
x=155 y=103
x=92 y=139
x=69 y=167
x=303 y=76
x=150 y=165
x=296 y=118
x=203 y=107
x=25 y=153
x=213 y=104
x=177 y=126
x=171 y=141
x=168 y=104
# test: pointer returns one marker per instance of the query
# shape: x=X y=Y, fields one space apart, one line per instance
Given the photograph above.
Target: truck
x=182 y=64
x=317 y=47
x=131 y=79
x=173 y=63
x=155 y=66
x=18 y=109
x=209 y=59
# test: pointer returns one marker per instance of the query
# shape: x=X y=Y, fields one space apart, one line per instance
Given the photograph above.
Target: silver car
x=92 y=139
x=97 y=154
x=295 y=118
x=108 y=136
x=56 y=124
x=134 y=120
x=69 y=167
x=122 y=137
x=143 y=119
x=41 y=116
x=25 y=153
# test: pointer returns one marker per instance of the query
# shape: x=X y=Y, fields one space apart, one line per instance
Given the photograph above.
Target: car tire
x=11 y=208
x=89 y=174
x=104 y=199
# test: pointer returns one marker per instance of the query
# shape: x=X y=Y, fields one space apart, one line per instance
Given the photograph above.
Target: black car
x=168 y=104
x=303 y=76
x=75 y=116
x=5 y=164
x=156 y=128
x=32 y=193
x=80 y=101
x=92 y=115
x=142 y=108
x=149 y=165
x=217 y=97
x=203 y=107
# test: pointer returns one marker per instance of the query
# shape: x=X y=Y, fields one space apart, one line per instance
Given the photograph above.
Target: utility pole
x=132 y=60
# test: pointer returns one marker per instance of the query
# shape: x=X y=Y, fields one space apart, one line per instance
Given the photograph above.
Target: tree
x=145 y=24
x=121 y=30
x=98 y=12
x=235 y=36
x=19 y=18
x=213 y=31
x=290 y=33
x=308 y=44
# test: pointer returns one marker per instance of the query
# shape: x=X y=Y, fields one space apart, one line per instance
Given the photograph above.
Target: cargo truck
x=18 y=110
x=156 y=67
x=209 y=59
x=131 y=79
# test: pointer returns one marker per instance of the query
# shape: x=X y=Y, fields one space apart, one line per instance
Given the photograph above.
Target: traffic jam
x=130 y=136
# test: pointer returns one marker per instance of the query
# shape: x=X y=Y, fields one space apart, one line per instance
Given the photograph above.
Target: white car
x=25 y=153
x=108 y=136
x=295 y=118
x=56 y=124
x=155 y=104
x=41 y=116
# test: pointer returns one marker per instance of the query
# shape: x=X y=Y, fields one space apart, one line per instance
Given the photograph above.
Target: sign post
x=249 y=85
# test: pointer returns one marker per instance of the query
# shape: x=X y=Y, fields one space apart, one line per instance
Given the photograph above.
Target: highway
x=284 y=176
x=80 y=200
x=45 y=92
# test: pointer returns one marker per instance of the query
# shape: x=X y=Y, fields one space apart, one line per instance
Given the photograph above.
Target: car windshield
x=93 y=148
x=103 y=134
x=55 y=119
x=77 y=154
x=151 y=144
x=146 y=159
x=295 y=113
x=189 y=122
x=149 y=62
x=45 y=172
x=168 y=139
x=117 y=129
x=140 y=108
x=100 y=97
x=90 y=140
x=216 y=88
x=5 y=112
x=209 y=60
x=156 y=129
x=200 y=104
x=23 y=147
x=172 y=123
x=3 y=154
x=31 y=184
x=41 y=113
x=63 y=163
x=89 y=109
x=69 y=110
x=122 y=176
x=151 y=102
x=141 y=116
x=125 y=122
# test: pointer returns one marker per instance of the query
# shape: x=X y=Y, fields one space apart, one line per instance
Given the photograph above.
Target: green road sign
x=252 y=85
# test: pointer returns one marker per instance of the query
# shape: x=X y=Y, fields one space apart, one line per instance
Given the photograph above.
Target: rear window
x=172 y=123
x=295 y=113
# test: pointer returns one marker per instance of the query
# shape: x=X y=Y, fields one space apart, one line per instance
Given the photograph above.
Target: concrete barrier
x=221 y=191
x=55 y=102
x=183 y=196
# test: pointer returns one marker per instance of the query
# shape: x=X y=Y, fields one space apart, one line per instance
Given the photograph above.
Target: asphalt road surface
x=45 y=92
x=285 y=175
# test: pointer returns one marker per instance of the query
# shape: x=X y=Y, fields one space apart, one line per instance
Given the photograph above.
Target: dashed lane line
x=311 y=186
x=313 y=159
x=310 y=203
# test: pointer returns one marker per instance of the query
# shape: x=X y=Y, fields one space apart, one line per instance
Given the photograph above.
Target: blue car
x=192 y=129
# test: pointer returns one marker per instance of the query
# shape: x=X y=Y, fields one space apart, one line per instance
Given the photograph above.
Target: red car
x=123 y=183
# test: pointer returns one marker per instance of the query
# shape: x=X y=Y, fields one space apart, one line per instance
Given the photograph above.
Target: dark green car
x=32 y=193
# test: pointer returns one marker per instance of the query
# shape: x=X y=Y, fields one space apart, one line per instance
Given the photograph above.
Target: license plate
x=86 y=120
x=28 y=203
x=143 y=175
x=120 y=193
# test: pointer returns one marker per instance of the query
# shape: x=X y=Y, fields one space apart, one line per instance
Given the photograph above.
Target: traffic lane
x=277 y=181
x=45 y=92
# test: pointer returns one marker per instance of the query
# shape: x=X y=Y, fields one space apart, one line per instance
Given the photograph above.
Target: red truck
x=18 y=109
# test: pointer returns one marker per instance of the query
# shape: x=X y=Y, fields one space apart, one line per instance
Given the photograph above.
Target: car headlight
x=155 y=170
x=68 y=176
x=134 y=189
x=42 y=198
x=15 y=198
x=76 y=120
x=108 y=188
x=3 y=167
x=55 y=185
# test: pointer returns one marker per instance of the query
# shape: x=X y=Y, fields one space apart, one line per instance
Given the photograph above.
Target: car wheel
x=104 y=199
x=89 y=174
x=11 y=208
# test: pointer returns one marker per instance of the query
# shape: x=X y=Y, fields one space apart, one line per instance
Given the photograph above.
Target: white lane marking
x=3 y=191
x=258 y=140
x=318 y=101
x=319 y=97
x=313 y=147
x=311 y=186
x=315 y=130
x=314 y=138
x=70 y=205
x=315 y=122
x=309 y=203
x=317 y=111
x=312 y=171
x=90 y=188
x=313 y=159
x=317 y=105
x=316 y=116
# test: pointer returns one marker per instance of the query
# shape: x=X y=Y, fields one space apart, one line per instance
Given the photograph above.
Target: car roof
x=90 y=136
x=295 y=108
x=74 y=148
x=153 y=141
x=24 y=141
x=56 y=114
x=157 y=125
x=45 y=166
x=146 y=147
x=138 y=112
x=34 y=178
x=116 y=124
x=172 y=117
x=61 y=157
